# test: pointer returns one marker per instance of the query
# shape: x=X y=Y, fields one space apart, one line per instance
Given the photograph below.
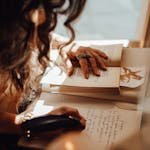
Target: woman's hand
x=69 y=112
x=58 y=111
x=89 y=59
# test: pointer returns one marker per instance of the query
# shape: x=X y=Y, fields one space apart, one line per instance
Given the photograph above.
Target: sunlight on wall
x=107 y=19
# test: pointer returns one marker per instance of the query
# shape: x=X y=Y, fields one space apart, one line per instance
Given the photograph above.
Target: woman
x=24 y=46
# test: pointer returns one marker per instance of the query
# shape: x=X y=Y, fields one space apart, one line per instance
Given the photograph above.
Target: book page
x=109 y=78
x=111 y=126
x=114 y=53
x=132 y=77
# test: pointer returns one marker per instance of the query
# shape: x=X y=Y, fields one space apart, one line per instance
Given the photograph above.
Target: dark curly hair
x=17 y=30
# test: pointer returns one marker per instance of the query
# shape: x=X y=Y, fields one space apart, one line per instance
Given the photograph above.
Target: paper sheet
x=109 y=78
x=111 y=126
x=132 y=77
x=107 y=124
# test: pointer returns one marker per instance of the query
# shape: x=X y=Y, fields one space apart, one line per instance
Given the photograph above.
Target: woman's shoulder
x=6 y=83
x=4 y=80
x=9 y=95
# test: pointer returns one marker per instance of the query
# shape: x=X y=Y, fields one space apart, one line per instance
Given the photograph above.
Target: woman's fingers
x=87 y=59
x=93 y=64
x=71 y=62
x=75 y=113
x=83 y=62
x=100 y=61
x=100 y=53
x=69 y=112
x=84 y=67
x=72 y=57
x=69 y=67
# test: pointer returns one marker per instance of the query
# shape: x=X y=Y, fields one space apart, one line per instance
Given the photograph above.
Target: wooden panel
x=147 y=38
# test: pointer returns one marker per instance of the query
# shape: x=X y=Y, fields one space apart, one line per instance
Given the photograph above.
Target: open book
x=119 y=82
x=108 y=82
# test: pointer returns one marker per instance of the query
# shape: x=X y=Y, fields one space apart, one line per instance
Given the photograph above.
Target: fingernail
x=106 y=57
x=97 y=73
x=86 y=76
x=70 y=72
x=105 y=69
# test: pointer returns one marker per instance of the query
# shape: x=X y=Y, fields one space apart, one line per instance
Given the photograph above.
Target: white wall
x=108 y=19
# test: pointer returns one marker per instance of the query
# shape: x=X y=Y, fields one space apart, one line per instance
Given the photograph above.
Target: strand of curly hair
x=17 y=31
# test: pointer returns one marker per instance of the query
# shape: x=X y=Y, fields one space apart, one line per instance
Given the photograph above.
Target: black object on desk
x=50 y=123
